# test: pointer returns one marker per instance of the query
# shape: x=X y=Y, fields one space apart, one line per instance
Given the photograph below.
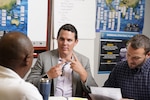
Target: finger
x=59 y=66
x=71 y=60
x=58 y=73
x=74 y=56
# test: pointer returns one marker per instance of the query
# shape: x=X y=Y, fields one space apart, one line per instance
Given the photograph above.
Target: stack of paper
x=105 y=93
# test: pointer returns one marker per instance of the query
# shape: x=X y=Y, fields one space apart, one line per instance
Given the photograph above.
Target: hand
x=77 y=67
x=55 y=71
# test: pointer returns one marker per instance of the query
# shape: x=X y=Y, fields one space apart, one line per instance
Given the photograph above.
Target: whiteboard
x=37 y=22
x=80 y=13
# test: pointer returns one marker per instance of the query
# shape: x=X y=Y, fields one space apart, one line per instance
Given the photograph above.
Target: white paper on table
x=114 y=93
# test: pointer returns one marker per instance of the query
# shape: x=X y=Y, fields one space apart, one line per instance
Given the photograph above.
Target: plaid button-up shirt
x=134 y=83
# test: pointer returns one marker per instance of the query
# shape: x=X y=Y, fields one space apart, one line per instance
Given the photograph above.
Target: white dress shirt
x=64 y=82
x=13 y=87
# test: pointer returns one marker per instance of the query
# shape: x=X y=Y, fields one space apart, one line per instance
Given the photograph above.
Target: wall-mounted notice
x=120 y=15
x=80 y=13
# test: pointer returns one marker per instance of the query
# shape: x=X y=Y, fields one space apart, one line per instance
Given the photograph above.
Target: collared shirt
x=134 y=83
x=13 y=87
x=64 y=82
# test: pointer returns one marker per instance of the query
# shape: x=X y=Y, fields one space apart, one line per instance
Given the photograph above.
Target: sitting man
x=16 y=55
x=133 y=75
x=68 y=70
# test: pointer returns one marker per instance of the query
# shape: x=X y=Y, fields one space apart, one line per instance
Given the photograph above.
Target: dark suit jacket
x=48 y=59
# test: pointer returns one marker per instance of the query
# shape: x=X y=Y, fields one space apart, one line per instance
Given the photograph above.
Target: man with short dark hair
x=68 y=70
x=16 y=55
x=133 y=75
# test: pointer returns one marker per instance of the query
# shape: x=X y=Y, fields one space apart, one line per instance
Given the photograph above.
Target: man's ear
x=27 y=60
x=76 y=42
x=148 y=54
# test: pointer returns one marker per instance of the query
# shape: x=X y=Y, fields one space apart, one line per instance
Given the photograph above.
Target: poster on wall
x=13 y=16
x=120 y=15
x=112 y=49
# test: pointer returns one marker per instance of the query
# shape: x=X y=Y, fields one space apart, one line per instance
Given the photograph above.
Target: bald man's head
x=15 y=48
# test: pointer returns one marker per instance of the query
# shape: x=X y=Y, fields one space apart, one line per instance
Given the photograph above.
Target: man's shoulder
x=79 y=55
x=121 y=65
x=49 y=52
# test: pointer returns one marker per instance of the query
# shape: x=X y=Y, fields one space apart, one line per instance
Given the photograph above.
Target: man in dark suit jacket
x=69 y=71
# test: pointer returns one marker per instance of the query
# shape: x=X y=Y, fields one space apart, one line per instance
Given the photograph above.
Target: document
x=111 y=93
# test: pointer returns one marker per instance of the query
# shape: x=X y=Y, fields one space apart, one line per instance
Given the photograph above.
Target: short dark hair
x=68 y=27
x=140 y=41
